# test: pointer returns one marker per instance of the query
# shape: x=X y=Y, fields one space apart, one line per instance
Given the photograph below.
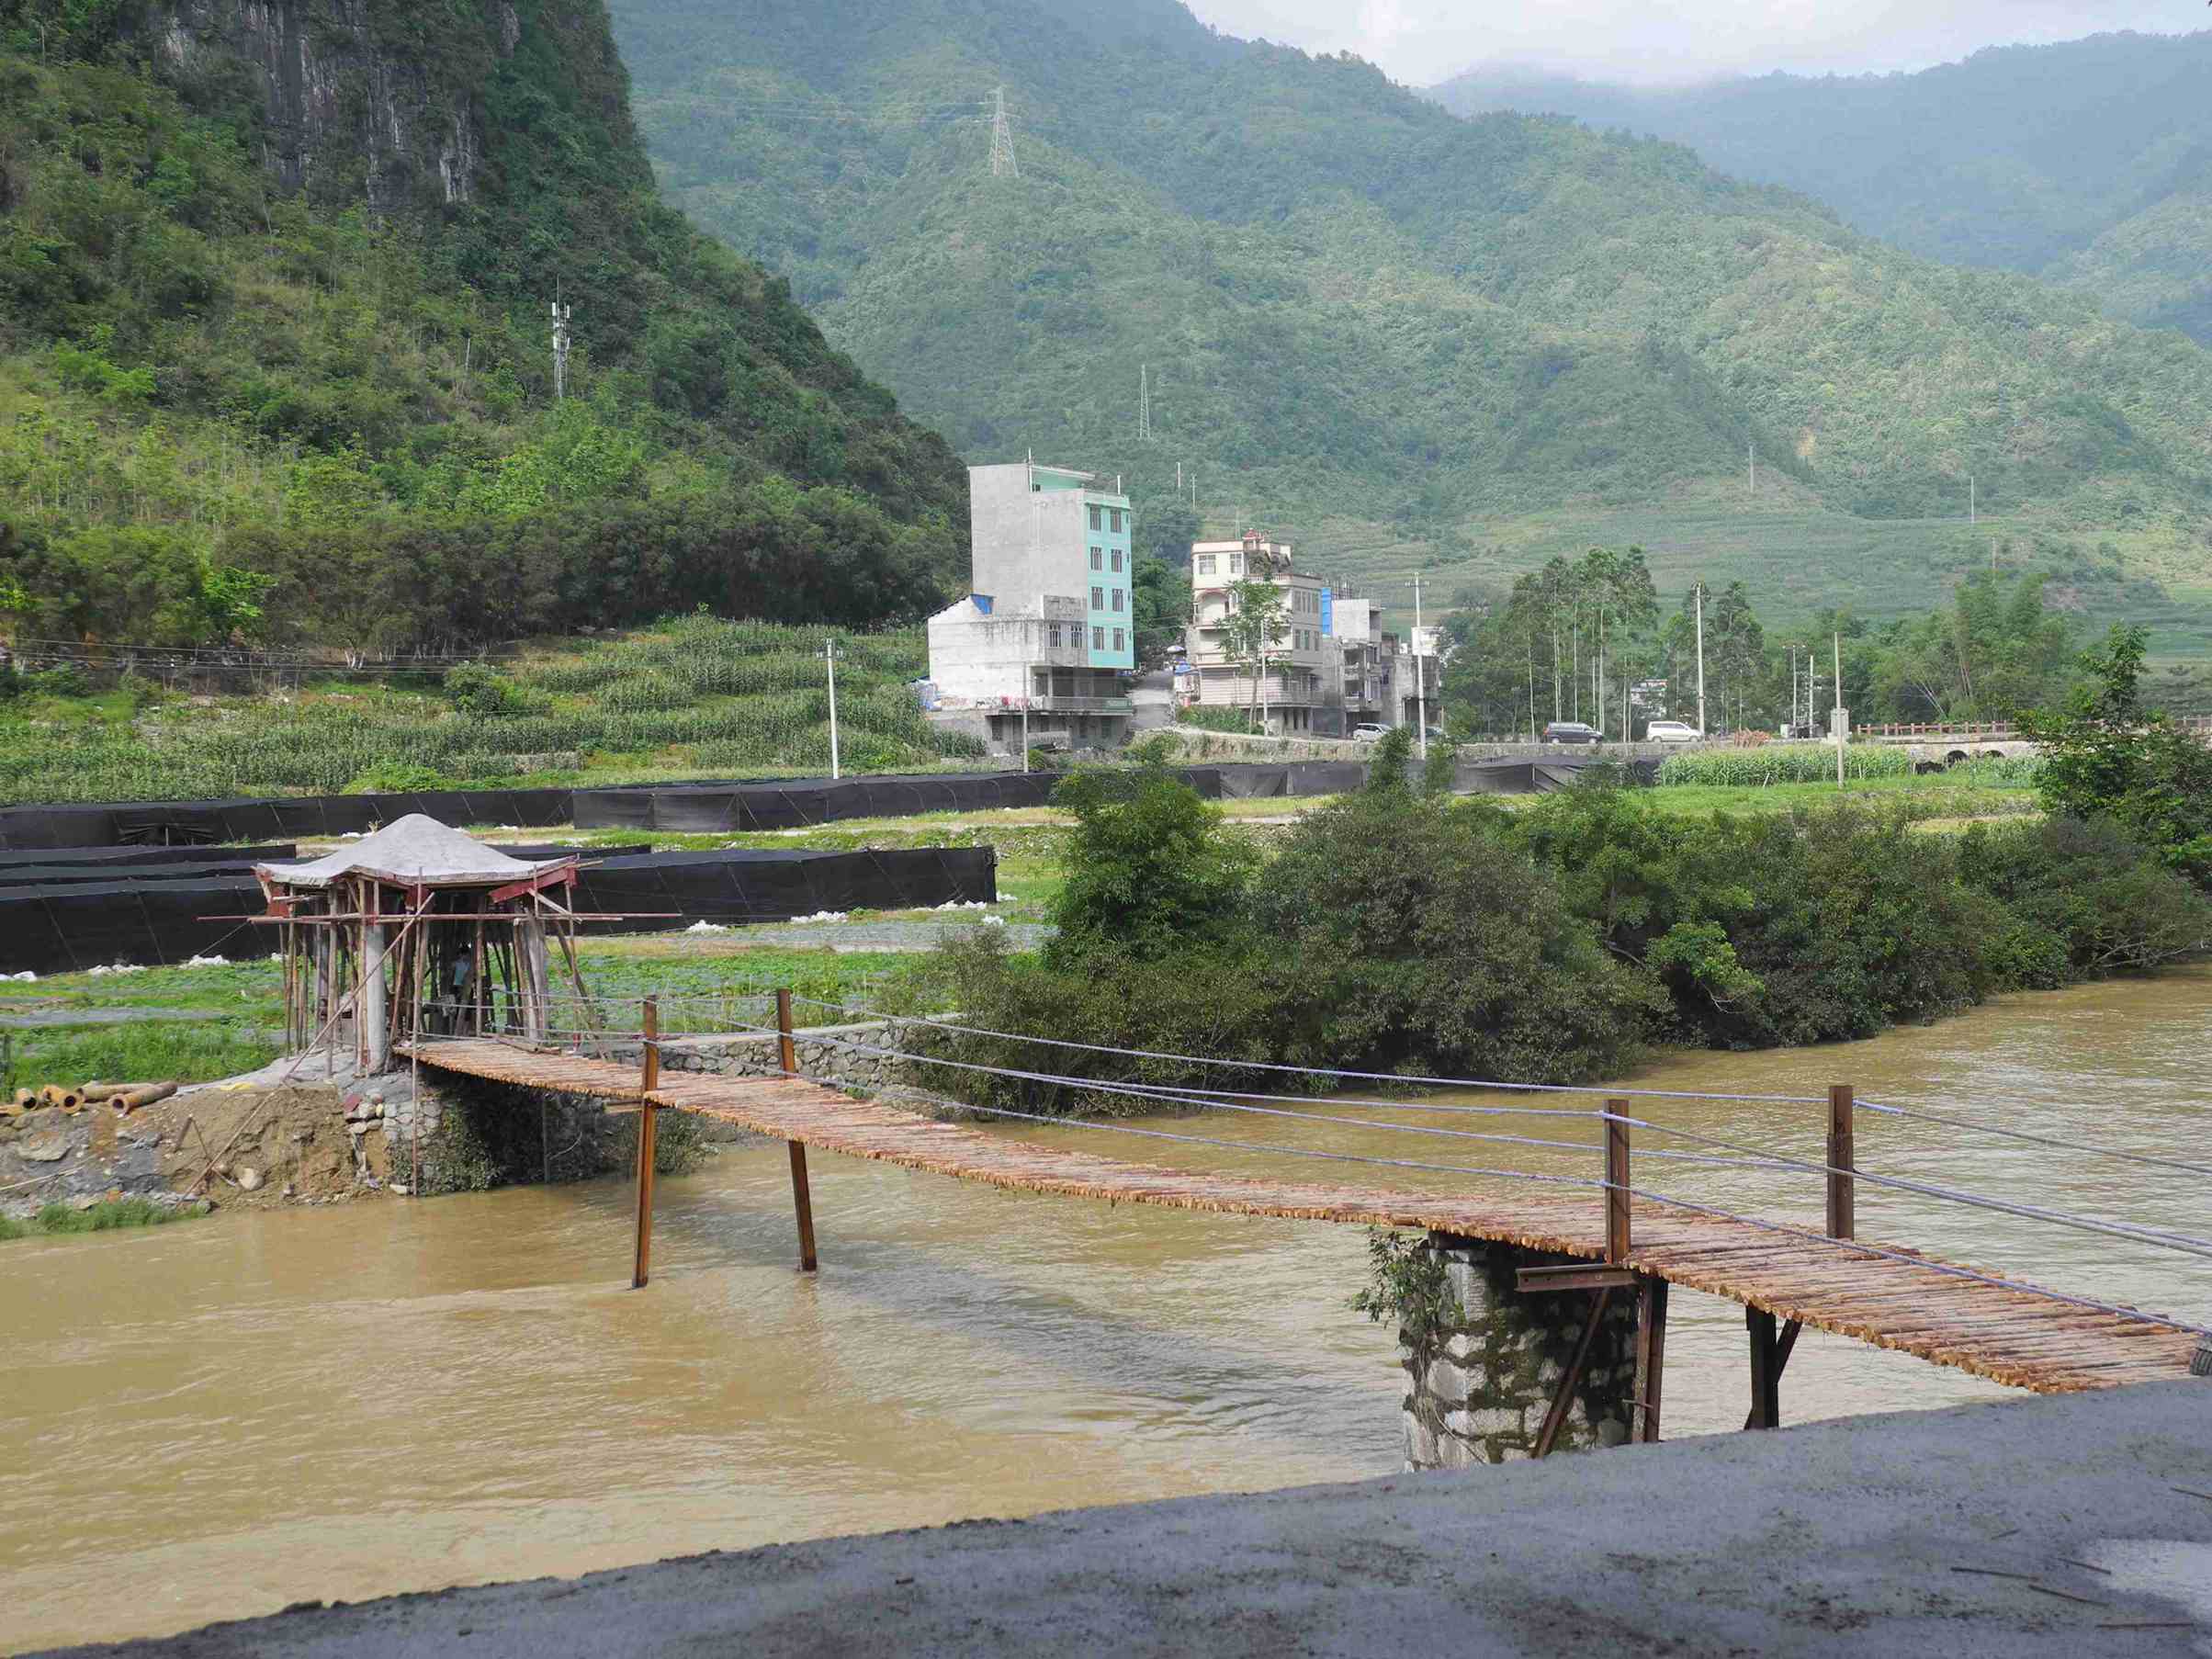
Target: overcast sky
x=1423 y=41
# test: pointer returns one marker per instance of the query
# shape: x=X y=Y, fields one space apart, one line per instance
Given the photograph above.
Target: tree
x=1255 y=623
x=1151 y=872
x=1160 y=597
x=2106 y=756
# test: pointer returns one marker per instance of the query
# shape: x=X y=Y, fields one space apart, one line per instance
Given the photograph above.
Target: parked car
x=1369 y=732
x=1572 y=731
x=1670 y=731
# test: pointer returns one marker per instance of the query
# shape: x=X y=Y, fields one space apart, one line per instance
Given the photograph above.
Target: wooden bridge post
x=1650 y=1356
x=802 y=1196
x=1768 y=1355
x=1842 y=1199
x=1616 y=1183
x=646 y=1137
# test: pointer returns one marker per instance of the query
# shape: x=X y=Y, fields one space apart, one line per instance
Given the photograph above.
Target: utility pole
x=1974 y=503
x=1701 y=659
x=1003 y=165
x=1842 y=717
x=829 y=657
x=1752 y=451
x=1420 y=669
x=1144 y=403
x=561 y=349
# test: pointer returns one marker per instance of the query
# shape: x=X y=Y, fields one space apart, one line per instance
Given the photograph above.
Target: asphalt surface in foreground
x=2079 y=1526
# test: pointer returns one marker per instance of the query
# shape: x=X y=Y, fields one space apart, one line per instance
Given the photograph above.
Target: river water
x=214 y=1419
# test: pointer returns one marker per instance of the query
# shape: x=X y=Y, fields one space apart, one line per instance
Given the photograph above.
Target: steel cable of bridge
x=1663 y=1094
x=2134 y=1316
x=2182 y=1243
x=1327 y=1071
x=2038 y=1140
x=1141 y=1092
x=2187 y=1243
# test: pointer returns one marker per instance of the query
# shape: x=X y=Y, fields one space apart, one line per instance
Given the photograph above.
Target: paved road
x=1953 y=1535
x=1152 y=697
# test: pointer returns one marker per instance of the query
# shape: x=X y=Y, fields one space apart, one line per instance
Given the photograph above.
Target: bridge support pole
x=1843 y=1208
x=646 y=1138
x=802 y=1194
x=1769 y=1354
x=1651 y=1355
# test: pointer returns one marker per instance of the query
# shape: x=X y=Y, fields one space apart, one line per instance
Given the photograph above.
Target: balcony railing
x=1071 y=706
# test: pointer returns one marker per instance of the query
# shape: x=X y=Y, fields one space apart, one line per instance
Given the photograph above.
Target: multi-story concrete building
x=1370 y=655
x=1048 y=627
x=1300 y=680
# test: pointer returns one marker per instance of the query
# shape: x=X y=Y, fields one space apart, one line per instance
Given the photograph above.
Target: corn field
x=694 y=695
x=1778 y=763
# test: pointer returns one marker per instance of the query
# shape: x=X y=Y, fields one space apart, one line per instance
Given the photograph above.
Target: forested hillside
x=2089 y=162
x=276 y=360
x=1403 y=337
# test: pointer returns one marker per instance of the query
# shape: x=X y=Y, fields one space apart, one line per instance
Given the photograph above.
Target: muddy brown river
x=214 y=1419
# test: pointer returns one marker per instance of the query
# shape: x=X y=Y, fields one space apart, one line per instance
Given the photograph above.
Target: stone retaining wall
x=1480 y=1394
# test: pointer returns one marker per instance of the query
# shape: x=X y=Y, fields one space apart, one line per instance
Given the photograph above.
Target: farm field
x=695 y=697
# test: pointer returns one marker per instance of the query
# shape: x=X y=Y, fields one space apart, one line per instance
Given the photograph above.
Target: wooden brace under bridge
x=1786 y=1279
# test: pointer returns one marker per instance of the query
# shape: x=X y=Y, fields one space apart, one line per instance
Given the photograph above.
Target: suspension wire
x=2173 y=1241
x=1135 y=1091
x=2094 y=1151
x=1950 y=1268
x=1114 y=1127
x=2115 y=1229
x=2039 y=1140
x=1320 y=1071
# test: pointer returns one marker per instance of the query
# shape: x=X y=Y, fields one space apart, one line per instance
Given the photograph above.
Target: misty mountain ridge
x=2087 y=163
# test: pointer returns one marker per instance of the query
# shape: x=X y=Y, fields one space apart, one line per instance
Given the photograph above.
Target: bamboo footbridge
x=1973 y=1318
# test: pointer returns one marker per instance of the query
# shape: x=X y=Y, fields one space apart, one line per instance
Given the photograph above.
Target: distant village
x=1041 y=649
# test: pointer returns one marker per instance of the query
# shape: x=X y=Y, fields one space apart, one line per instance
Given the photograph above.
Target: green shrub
x=1215 y=718
x=2084 y=901
x=473 y=689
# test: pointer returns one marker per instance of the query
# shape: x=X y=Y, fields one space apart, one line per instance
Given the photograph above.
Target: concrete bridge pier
x=1483 y=1381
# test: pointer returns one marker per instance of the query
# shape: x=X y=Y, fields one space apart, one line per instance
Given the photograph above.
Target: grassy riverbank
x=106 y=1216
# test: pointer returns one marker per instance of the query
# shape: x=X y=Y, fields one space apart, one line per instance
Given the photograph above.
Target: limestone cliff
x=398 y=107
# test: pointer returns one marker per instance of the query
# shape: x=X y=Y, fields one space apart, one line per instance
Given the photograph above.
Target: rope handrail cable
x=2038 y=1140
x=2183 y=1242
x=2173 y=1241
x=955 y=1026
x=1321 y=1071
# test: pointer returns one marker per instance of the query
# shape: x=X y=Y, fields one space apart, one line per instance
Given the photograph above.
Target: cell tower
x=1003 y=165
x=561 y=350
x=1144 y=403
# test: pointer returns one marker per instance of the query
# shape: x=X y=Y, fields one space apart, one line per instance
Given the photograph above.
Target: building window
x=1098 y=639
x=1096 y=520
x=1115 y=514
x=1117 y=559
x=1098 y=560
x=1117 y=599
x=1098 y=599
x=1052 y=635
x=1119 y=640
x=1205 y=564
x=1236 y=564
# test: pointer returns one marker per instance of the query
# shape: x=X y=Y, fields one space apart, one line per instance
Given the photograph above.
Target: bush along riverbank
x=1399 y=930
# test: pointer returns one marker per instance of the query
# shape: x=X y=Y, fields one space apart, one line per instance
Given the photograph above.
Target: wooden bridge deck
x=2008 y=1336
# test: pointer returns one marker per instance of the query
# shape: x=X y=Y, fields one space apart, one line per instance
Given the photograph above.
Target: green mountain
x=276 y=359
x=1404 y=338
x=2089 y=163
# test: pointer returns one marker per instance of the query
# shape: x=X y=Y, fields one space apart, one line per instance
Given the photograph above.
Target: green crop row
x=1784 y=763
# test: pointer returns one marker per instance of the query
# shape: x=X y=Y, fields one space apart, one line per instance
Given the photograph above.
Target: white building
x=1048 y=629
x=1298 y=686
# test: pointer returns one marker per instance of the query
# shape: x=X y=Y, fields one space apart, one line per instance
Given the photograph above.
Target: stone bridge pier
x=1481 y=1386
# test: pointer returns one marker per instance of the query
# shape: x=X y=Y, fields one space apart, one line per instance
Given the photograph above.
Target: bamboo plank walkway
x=2009 y=1336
